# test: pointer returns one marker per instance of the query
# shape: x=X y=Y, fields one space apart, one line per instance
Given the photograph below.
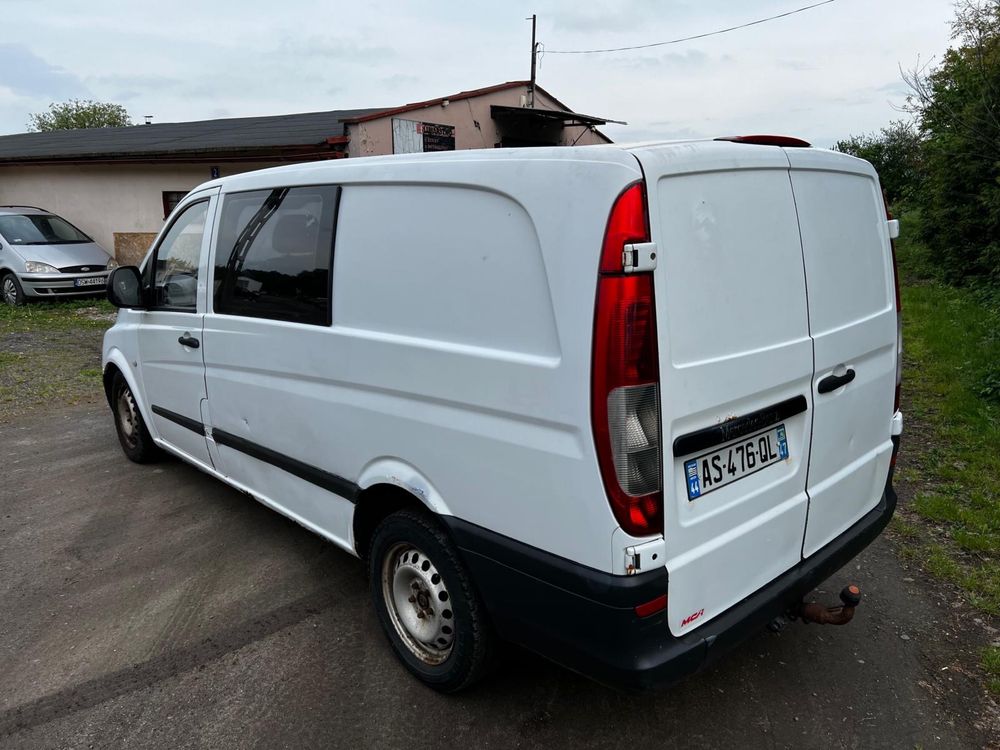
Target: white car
x=620 y=405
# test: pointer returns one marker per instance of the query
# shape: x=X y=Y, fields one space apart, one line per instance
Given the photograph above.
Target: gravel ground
x=152 y=606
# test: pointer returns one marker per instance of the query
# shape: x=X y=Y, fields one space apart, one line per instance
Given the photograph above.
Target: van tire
x=136 y=442
x=441 y=577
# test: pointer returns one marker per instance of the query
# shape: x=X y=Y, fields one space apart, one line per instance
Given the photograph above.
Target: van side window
x=175 y=269
x=272 y=259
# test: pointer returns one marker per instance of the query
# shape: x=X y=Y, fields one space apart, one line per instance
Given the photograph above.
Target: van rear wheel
x=427 y=604
x=135 y=439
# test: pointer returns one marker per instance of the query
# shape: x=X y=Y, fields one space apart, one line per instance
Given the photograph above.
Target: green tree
x=895 y=152
x=957 y=104
x=78 y=113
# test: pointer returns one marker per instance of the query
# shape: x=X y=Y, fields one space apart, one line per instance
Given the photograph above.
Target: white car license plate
x=714 y=470
x=91 y=281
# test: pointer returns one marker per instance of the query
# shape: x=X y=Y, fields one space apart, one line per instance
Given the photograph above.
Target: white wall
x=105 y=199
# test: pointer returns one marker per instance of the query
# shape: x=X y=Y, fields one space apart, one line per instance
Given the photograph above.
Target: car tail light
x=625 y=382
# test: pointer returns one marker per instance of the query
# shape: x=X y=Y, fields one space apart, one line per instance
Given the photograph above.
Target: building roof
x=299 y=137
x=249 y=137
x=452 y=98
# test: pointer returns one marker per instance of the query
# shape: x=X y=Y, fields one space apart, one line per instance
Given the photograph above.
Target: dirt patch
x=50 y=357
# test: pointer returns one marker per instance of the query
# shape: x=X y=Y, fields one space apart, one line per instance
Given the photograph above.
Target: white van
x=620 y=405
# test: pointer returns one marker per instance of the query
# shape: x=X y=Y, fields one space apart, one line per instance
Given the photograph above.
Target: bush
x=958 y=109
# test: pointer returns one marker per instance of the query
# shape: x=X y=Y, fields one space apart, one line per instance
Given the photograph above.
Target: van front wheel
x=135 y=439
x=427 y=604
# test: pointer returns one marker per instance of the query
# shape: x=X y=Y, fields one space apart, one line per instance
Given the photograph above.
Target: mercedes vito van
x=622 y=406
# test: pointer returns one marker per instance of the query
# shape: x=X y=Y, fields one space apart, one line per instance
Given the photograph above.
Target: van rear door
x=736 y=371
x=852 y=319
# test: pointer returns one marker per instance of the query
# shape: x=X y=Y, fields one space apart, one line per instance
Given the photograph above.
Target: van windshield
x=39 y=229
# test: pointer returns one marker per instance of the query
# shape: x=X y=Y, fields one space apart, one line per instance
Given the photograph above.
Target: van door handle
x=187 y=340
x=833 y=382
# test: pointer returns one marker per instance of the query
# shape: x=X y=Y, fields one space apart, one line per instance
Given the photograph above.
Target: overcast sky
x=821 y=74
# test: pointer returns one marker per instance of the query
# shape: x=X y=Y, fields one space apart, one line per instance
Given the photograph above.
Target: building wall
x=106 y=199
x=374 y=137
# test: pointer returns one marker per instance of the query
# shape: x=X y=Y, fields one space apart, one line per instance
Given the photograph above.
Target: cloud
x=399 y=80
x=27 y=74
x=182 y=66
x=139 y=81
x=898 y=88
x=796 y=65
x=689 y=60
x=653 y=131
x=127 y=87
x=613 y=17
x=331 y=49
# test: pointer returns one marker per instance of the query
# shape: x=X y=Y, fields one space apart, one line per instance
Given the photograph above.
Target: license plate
x=91 y=281
x=714 y=470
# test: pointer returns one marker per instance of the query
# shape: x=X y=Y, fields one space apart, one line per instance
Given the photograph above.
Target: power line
x=687 y=38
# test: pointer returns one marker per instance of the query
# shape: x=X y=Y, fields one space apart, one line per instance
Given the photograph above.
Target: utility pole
x=534 y=55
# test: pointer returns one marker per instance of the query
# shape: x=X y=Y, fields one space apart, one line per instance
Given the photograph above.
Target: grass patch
x=951 y=447
x=50 y=354
x=991 y=664
x=94 y=314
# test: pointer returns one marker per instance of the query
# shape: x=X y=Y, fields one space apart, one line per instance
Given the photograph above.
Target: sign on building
x=412 y=137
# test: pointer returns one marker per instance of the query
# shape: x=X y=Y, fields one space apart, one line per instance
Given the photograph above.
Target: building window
x=170 y=200
x=274 y=253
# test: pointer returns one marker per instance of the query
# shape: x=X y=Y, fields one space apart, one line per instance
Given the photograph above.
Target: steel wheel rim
x=128 y=417
x=9 y=291
x=418 y=603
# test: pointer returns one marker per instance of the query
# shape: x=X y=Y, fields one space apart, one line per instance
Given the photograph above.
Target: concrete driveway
x=155 y=607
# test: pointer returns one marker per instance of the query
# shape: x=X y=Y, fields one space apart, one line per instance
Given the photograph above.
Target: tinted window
x=273 y=255
x=175 y=275
x=39 y=229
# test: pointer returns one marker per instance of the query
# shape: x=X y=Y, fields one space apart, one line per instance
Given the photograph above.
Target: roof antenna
x=148 y=119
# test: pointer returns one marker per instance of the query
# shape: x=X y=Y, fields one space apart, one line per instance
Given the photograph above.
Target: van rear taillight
x=625 y=382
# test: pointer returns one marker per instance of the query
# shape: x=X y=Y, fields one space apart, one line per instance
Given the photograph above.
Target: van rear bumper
x=585 y=620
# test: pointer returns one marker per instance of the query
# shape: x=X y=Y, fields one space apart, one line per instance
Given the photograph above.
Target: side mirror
x=125 y=287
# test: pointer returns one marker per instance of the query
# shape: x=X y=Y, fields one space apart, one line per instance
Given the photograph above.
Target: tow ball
x=814 y=612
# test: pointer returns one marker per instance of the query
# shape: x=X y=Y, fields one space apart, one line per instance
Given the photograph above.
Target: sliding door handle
x=833 y=382
x=187 y=340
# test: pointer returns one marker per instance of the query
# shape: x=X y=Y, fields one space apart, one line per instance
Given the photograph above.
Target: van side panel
x=461 y=360
x=463 y=307
x=852 y=317
x=734 y=339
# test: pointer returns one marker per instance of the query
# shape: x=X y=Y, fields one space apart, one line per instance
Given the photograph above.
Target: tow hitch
x=814 y=612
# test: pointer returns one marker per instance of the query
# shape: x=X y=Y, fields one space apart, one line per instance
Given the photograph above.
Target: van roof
x=612 y=152
x=598 y=152
x=22 y=210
